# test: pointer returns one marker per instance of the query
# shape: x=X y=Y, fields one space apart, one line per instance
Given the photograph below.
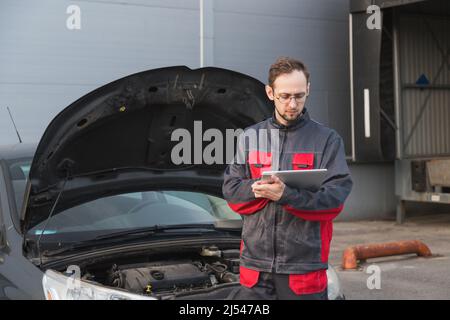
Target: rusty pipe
x=351 y=255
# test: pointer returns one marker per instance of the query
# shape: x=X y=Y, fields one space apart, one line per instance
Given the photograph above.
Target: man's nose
x=292 y=102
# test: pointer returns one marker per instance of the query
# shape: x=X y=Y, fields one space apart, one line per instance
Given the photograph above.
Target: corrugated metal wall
x=44 y=66
x=425 y=109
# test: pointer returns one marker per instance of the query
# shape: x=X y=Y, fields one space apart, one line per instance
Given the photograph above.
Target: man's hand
x=271 y=189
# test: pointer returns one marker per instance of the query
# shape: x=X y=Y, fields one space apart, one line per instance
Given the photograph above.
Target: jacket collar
x=299 y=122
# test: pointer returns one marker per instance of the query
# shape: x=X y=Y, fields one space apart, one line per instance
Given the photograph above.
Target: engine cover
x=160 y=278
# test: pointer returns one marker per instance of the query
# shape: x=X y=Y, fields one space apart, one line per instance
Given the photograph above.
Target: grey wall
x=373 y=194
x=250 y=34
x=44 y=66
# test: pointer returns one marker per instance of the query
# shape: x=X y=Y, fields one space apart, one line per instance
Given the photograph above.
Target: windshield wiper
x=221 y=225
x=154 y=229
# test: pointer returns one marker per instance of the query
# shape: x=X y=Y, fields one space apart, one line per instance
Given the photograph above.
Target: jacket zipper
x=284 y=133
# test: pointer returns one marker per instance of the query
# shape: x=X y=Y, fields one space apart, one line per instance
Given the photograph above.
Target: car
x=97 y=209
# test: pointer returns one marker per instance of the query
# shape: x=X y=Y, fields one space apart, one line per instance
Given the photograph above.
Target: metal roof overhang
x=361 y=5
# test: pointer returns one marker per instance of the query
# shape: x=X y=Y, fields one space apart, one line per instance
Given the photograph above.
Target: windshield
x=127 y=210
x=18 y=172
x=137 y=210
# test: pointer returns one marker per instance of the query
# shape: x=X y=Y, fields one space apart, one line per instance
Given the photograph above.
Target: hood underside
x=117 y=138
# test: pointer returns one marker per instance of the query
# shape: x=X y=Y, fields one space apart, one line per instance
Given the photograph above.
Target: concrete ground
x=401 y=277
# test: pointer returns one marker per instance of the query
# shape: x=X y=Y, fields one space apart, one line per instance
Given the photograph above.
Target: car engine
x=168 y=279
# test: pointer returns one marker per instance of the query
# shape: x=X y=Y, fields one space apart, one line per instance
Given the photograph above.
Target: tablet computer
x=300 y=179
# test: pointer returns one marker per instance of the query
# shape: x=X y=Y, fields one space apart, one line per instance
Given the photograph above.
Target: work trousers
x=272 y=286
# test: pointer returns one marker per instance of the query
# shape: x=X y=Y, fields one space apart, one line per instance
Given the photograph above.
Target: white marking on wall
x=367 y=113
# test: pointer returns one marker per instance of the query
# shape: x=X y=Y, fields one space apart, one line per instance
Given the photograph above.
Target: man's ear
x=269 y=92
x=307 y=88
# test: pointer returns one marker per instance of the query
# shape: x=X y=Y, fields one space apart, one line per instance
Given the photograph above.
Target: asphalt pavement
x=402 y=277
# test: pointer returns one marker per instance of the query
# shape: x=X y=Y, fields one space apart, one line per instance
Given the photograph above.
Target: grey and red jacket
x=292 y=235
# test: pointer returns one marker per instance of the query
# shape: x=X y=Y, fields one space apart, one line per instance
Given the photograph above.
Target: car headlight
x=334 y=285
x=57 y=286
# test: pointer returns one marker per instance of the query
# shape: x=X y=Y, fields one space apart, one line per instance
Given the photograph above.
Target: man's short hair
x=285 y=65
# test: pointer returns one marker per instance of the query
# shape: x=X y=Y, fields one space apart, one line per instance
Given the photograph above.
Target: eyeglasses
x=285 y=98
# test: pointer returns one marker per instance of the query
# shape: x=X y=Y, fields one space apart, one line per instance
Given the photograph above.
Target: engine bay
x=206 y=273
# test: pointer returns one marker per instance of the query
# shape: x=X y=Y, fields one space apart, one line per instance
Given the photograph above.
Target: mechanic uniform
x=285 y=244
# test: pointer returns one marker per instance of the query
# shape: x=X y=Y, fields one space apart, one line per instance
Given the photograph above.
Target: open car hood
x=117 y=138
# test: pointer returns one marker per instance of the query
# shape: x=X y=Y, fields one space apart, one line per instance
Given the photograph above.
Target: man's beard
x=288 y=118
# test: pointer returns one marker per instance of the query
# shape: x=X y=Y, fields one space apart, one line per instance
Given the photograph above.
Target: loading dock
x=401 y=98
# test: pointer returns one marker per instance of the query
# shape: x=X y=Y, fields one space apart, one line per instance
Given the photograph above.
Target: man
x=287 y=232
